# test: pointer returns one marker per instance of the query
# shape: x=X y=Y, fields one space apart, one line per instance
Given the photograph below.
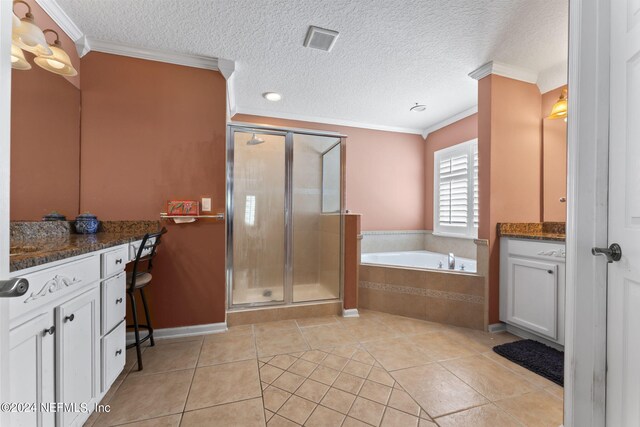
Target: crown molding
x=504 y=70
x=188 y=60
x=446 y=122
x=60 y=17
x=325 y=120
x=553 y=77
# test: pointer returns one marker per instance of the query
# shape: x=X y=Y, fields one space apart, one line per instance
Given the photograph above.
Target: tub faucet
x=452 y=261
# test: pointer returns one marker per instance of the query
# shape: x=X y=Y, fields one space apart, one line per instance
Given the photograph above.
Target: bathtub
x=418 y=259
x=410 y=284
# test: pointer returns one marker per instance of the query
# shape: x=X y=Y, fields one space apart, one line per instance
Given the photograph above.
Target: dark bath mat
x=536 y=357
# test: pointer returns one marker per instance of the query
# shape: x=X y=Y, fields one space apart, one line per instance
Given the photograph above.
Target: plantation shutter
x=454 y=202
x=476 y=222
x=456 y=190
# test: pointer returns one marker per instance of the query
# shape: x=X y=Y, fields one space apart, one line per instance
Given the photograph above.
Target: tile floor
x=378 y=369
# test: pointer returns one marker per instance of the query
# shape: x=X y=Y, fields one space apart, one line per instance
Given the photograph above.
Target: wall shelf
x=184 y=219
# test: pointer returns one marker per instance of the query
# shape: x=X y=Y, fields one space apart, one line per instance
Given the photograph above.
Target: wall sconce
x=559 y=109
x=18 y=61
x=58 y=62
x=28 y=36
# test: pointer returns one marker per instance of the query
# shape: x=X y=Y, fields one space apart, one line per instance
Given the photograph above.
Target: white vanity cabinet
x=60 y=331
x=532 y=286
x=77 y=354
x=32 y=369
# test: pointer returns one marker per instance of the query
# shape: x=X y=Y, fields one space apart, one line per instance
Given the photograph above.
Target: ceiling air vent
x=320 y=38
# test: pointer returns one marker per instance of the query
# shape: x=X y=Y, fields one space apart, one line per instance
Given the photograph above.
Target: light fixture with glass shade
x=58 y=62
x=28 y=36
x=559 y=109
x=16 y=20
x=18 y=61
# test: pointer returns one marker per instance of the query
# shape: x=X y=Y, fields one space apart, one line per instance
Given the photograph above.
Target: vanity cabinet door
x=77 y=356
x=532 y=296
x=31 y=377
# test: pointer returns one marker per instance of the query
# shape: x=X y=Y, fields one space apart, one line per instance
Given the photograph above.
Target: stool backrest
x=146 y=252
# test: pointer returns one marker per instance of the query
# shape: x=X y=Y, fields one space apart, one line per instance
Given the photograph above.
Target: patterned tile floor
x=378 y=369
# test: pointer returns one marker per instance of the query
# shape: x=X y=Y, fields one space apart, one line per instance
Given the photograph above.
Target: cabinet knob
x=49 y=331
x=119 y=261
x=550 y=271
x=118 y=352
x=70 y=318
x=119 y=301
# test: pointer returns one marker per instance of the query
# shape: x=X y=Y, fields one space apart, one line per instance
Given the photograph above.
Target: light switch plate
x=206 y=204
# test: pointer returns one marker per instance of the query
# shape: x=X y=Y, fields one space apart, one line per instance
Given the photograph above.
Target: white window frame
x=470 y=231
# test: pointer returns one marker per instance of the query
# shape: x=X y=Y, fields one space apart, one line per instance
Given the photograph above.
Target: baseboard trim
x=350 y=312
x=183 y=331
x=497 y=327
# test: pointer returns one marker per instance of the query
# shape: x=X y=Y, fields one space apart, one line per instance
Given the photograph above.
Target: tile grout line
x=125 y=423
x=186 y=400
x=403 y=389
x=478 y=391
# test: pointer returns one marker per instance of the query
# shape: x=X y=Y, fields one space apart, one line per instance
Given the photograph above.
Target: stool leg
x=136 y=329
x=146 y=314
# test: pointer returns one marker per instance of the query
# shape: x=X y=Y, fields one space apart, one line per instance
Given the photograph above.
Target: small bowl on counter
x=54 y=216
x=87 y=223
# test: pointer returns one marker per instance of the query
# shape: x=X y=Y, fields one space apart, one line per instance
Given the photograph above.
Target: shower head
x=254 y=140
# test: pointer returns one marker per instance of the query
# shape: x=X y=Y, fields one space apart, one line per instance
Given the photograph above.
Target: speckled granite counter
x=37 y=243
x=533 y=230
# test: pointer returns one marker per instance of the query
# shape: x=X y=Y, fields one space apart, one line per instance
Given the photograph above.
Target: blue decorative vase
x=87 y=224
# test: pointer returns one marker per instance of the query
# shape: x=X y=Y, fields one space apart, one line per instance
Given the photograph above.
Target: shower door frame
x=288 y=134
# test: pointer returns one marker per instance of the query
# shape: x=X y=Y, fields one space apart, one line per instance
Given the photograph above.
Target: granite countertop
x=37 y=243
x=533 y=230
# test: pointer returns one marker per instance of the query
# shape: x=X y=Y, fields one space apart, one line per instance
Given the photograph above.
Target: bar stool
x=138 y=279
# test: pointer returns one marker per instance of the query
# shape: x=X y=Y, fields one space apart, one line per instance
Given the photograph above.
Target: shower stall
x=284 y=215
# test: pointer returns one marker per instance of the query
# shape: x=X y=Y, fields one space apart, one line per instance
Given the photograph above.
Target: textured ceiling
x=389 y=55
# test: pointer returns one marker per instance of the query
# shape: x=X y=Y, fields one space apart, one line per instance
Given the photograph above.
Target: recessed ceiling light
x=418 y=108
x=272 y=96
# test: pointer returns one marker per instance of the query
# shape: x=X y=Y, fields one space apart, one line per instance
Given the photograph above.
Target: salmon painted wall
x=44 y=21
x=385 y=179
x=554 y=164
x=456 y=133
x=514 y=149
x=151 y=132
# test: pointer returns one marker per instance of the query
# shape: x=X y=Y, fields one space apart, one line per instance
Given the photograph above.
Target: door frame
x=587 y=182
x=6 y=11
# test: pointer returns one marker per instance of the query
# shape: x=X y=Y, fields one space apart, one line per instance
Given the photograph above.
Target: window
x=456 y=190
x=250 y=210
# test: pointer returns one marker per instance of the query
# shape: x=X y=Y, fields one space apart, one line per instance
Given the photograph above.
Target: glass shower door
x=259 y=201
x=316 y=217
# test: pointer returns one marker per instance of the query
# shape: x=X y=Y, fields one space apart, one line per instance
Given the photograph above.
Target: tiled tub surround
x=452 y=298
x=379 y=370
x=35 y=243
x=533 y=230
x=416 y=240
x=392 y=241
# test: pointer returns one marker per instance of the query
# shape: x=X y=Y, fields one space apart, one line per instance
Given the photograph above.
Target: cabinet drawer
x=113 y=355
x=552 y=251
x=113 y=301
x=54 y=283
x=114 y=261
x=135 y=246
